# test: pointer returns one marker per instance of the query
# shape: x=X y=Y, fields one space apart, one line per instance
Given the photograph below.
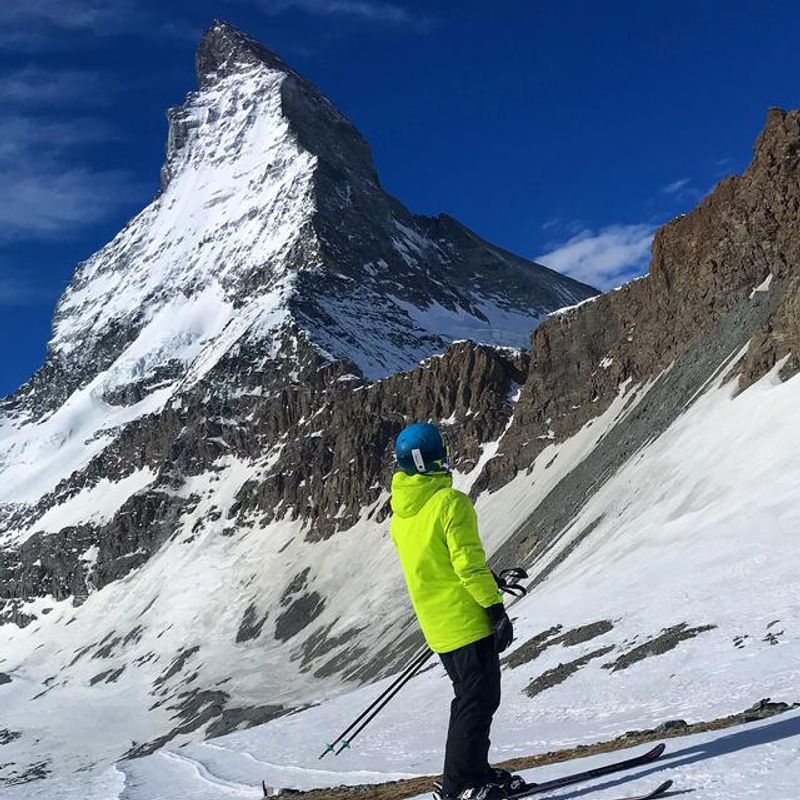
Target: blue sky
x=565 y=131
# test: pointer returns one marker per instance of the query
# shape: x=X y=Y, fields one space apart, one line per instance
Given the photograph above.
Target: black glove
x=501 y=626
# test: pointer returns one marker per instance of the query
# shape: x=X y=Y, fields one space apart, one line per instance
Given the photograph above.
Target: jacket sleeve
x=466 y=551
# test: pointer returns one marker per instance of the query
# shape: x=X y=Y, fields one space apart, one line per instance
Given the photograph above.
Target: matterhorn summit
x=271 y=238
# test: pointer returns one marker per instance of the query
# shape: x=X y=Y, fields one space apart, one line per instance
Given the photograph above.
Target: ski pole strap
x=508 y=581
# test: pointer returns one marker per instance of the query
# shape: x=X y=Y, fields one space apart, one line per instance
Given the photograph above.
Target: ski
x=590 y=774
x=657 y=792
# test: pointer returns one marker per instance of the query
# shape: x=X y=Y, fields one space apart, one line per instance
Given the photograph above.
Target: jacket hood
x=411 y=492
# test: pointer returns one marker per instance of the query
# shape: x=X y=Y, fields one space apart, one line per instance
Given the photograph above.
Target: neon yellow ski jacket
x=435 y=530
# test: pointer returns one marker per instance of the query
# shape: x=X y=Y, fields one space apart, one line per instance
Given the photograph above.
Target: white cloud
x=370 y=10
x=42 y=24
x=676 y=186
x=46 y=190
x=25 y=138
x=67 y=14
x=52 y=186
x=50 y=202
x=31 y=23
x=15 y=292
x=605 y=258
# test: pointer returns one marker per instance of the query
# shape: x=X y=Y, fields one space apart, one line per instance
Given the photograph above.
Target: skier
x=457 y=602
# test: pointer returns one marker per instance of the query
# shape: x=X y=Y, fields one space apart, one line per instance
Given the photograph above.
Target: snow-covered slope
x=755 y=762
x=691 y=553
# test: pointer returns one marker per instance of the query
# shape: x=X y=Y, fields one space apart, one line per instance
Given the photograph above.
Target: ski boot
x=506 y=781
x=489 y=791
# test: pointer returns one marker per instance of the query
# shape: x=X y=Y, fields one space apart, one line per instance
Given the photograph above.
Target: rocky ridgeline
x=334 y=435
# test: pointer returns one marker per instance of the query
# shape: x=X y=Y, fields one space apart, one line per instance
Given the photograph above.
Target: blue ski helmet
x=421 y=448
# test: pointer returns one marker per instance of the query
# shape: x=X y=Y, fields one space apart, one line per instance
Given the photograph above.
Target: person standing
x=457 y=602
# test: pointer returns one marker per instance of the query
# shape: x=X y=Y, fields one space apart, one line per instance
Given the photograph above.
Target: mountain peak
x=776 y=150
x=224 y=49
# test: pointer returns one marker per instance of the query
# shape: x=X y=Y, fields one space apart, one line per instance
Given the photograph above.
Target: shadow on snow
x=723 y=746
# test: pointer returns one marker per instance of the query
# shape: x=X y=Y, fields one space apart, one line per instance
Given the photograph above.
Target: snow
x=763 y=286
x=755 y=761
x=504 y=510
x=191 y=236
x=559 y=312
x=35 y=457
x=95 y=505
x=177 y=331
x=490 y=323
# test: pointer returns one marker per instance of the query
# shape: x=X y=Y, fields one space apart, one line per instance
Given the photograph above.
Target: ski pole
x=345 y=743
x=416 y=662
x=409 y=671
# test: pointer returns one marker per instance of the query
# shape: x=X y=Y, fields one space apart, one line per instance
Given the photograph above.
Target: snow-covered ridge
x=238 y=177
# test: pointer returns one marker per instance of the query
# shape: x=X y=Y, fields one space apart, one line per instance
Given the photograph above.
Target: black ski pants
x=475 y=673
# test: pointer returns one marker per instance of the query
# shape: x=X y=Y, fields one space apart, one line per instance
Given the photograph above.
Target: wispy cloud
x=369 y=10
x=48 y=189
x=24 y=137
x=69 y=14
x=561 y=227
x=52 y=184
x=603 y=258
x=676 y=186
x=15 y=291
x=36 y=86
x=47 y=202
x=680 y=193
x=31 y=24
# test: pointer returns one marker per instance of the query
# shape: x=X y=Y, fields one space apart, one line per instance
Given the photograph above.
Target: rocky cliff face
x=723 y=283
